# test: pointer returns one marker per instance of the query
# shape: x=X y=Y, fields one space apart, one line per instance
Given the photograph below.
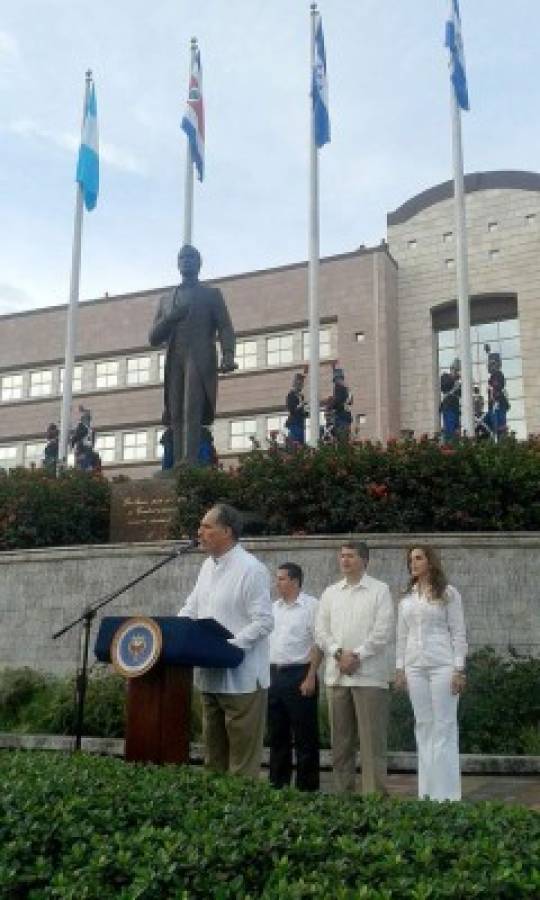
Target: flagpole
x=313 y=263
x=464 y=318
x=189 y=178
x=73 y=307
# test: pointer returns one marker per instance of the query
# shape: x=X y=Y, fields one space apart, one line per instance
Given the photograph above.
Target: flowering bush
x=37 y=510
x=401 y=487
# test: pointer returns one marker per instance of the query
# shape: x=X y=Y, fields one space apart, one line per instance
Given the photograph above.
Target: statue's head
x=189 y=261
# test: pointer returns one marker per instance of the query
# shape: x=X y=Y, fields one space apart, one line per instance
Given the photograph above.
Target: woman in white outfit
x=431 y=652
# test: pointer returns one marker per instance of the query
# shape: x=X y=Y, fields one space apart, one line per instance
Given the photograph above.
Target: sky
x=389 y=110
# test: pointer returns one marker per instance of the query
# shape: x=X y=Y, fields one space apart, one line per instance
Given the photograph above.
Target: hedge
x=38 y=510
x=499 y=712
x=406 y=486
x=93 y=829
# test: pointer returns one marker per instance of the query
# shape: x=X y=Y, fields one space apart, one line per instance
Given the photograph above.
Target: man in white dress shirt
x=355 y=628
x=293 y=695
x=233 y=588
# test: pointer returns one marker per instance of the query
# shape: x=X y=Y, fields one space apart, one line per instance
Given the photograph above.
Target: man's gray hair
x=229 y=517
x=359 y=547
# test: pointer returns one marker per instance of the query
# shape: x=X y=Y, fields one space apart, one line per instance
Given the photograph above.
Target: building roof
x=505 y=179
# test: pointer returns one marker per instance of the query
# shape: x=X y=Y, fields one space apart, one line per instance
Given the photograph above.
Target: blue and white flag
x=88 y=162
x=319 y=88
x=454 y=42
x=193 y=120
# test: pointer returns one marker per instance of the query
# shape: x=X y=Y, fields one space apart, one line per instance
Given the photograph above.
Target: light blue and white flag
x=319 y=88
x=454 y=42
x=193 y=119
x=88 y=162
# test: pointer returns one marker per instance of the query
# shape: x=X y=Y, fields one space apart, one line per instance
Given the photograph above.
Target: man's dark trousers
x=292 y=718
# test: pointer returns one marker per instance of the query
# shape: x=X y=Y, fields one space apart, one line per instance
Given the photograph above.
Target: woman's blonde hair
x=437 y=579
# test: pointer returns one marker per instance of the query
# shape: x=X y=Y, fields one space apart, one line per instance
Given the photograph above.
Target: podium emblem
x=136 y=646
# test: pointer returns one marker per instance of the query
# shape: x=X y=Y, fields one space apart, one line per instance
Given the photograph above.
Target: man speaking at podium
x=233 y=588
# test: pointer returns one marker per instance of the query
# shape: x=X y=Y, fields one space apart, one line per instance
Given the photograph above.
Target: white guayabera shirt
x=357 y=618
x=431 y=632
x=234 y=589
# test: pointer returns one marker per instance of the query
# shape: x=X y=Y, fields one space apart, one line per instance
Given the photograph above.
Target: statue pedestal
x=142 y=510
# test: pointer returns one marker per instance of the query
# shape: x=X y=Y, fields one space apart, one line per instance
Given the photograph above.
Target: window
x=360 y=337
x=241 y=430
x=361 y=419
x=412 y=244
x=107 y=374
x=530 y=219
x=447 y=237
x=276 y=425
x=138 y=370
x=279 y=350
x=8 y=457
x=494 y=254
x=493 y=226
x=33 y=454
x=41 y=383
x=449 y=263
x=106 y=447
x=161 y=366
x=12 y=387
x=158 y=448
x=134 y=445
x=503 y=338
x=246 y=354
x=324 y=343
x=76 y=383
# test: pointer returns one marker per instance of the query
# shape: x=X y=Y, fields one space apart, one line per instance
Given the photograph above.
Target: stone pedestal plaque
x=142 y=510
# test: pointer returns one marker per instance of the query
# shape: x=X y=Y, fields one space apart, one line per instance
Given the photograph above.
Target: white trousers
x=436 y=729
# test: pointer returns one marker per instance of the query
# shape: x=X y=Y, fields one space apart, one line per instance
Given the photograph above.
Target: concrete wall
x=42 y=590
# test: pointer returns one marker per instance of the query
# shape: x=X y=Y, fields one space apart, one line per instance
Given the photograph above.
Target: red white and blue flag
x=193 y=120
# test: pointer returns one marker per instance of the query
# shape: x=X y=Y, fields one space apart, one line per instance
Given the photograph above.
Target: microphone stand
x=87 y=617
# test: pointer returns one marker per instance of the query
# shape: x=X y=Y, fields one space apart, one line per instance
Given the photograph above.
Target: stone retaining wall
x=42 y=590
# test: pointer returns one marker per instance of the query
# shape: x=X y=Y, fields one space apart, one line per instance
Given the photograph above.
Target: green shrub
x=37 y=510
x=498 y=714
x=360 y=487
x=501 y=705
x=93 y=829
x=34 y=703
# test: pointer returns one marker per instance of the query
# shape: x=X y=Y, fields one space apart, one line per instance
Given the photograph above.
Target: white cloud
x=108 y=153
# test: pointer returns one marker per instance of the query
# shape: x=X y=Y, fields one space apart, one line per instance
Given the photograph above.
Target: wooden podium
x=159 y=699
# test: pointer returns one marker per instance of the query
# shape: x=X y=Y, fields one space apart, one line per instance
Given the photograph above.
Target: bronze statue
x=187 y=321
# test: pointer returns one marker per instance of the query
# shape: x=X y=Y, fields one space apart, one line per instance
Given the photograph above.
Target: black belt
x=278 y=667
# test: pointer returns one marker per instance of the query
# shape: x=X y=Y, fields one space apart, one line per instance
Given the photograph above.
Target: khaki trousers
x=233 y=731
x=358 y=713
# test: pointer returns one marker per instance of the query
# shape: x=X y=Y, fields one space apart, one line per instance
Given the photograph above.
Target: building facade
x=388 y=318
